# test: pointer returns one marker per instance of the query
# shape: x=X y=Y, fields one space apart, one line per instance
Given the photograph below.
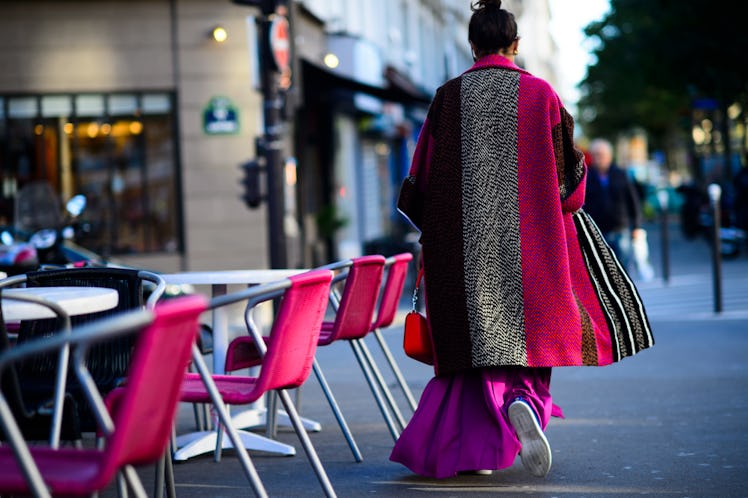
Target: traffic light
x=252 y=195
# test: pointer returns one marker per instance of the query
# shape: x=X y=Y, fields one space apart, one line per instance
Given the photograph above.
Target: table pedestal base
x=257 y=417
x=198 y=443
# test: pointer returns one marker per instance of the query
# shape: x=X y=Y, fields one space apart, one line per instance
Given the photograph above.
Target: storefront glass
x=116 y=149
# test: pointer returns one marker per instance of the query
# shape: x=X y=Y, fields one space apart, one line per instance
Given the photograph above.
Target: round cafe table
x=73 y=300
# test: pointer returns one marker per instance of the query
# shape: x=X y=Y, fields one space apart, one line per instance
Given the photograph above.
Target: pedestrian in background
x=612 y=201
x=493 y=186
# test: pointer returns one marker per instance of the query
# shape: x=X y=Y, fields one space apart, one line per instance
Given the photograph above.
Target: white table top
x=229 y=276
x=74 y=300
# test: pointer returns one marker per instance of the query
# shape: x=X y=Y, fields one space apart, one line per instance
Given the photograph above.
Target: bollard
x=662 y=197
x=715 y=192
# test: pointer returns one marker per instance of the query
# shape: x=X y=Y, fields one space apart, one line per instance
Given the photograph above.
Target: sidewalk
x=689 y=293
x=668 y=422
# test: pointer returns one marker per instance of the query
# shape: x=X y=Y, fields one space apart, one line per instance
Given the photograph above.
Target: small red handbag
x=417 y=336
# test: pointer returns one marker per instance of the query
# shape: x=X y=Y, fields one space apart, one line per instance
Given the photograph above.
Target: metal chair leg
x=121 y=485
x=160 y=479
x=396 y=370
x=225 y=419
x=219 y=438
x=336 y=411
x=171 y=487
x=198 y=411
x=133 y=481
x=306 y=443
x=23 y=454
x=198 y=414
x=271 y=415
x=165 y=476
x=384 y=388
x=375 y=390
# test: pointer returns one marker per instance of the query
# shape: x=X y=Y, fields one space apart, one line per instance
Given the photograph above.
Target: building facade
x=134 y=104
x=113 y=99
x=405 y=47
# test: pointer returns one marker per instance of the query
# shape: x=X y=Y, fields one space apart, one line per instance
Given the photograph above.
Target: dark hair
x=491 y=28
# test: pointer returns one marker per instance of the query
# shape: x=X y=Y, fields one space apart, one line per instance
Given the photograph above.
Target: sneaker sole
x=535 y=452
x=483 y=472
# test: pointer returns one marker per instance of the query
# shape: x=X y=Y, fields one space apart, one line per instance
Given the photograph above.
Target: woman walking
x=493 y=186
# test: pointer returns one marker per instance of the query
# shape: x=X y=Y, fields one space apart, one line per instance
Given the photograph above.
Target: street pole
x=272 y=150
x=663 y=197
x=273 y=51
x=715 y=192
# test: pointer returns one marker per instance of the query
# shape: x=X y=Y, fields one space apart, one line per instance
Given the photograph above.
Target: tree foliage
x=654 y=57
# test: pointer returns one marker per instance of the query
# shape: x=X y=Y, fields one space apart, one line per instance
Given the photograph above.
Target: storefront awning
x=399 y=89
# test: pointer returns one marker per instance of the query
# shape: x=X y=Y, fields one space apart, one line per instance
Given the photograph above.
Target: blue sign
x=220 y=117
x=705 y=104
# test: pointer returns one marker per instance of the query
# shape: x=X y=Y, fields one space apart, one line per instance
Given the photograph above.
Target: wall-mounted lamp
x=331 y=60
x=219 y=34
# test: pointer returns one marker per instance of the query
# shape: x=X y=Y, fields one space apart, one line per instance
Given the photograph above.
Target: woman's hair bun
x=483 y=4
x=491 y=28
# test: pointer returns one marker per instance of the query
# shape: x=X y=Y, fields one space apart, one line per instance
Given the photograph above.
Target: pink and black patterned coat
x=494 y=181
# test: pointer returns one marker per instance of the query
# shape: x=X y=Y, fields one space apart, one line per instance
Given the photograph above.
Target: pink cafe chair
x=354 y=310
x=392 y=290
x=354 y=313
x=285 y=357
x=137 y=433
x=164 y=479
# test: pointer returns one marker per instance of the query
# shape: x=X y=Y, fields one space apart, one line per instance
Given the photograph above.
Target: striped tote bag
x=620 y=301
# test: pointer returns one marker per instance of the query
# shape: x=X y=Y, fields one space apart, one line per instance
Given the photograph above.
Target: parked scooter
x=55 y=245
x=44 y=237
x=44 y=234
x=16 y=256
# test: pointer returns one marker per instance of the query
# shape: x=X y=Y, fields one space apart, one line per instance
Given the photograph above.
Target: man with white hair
x=612 y=200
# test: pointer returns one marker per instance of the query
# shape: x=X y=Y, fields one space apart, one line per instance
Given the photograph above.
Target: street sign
x=220 y=117
x=280 y=43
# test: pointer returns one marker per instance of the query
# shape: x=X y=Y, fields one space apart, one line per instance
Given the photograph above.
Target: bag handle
x=415 y=289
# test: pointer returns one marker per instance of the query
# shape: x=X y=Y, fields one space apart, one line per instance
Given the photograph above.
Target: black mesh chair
x=107 y=362
x=35 y=419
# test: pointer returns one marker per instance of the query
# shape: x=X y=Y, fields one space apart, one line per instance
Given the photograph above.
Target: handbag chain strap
x=415 y=289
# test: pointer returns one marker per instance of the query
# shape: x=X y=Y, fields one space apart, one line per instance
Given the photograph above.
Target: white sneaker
x=535 y=452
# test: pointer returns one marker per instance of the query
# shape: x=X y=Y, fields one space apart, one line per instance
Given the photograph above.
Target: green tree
x=654 y=57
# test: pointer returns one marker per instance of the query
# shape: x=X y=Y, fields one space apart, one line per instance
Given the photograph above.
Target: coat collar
x=495 y=60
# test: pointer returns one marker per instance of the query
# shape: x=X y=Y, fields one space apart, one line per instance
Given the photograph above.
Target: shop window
x=89 y=105
x=22 y=107
x=57 y=105
x=117 y=149
x=126 y=104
